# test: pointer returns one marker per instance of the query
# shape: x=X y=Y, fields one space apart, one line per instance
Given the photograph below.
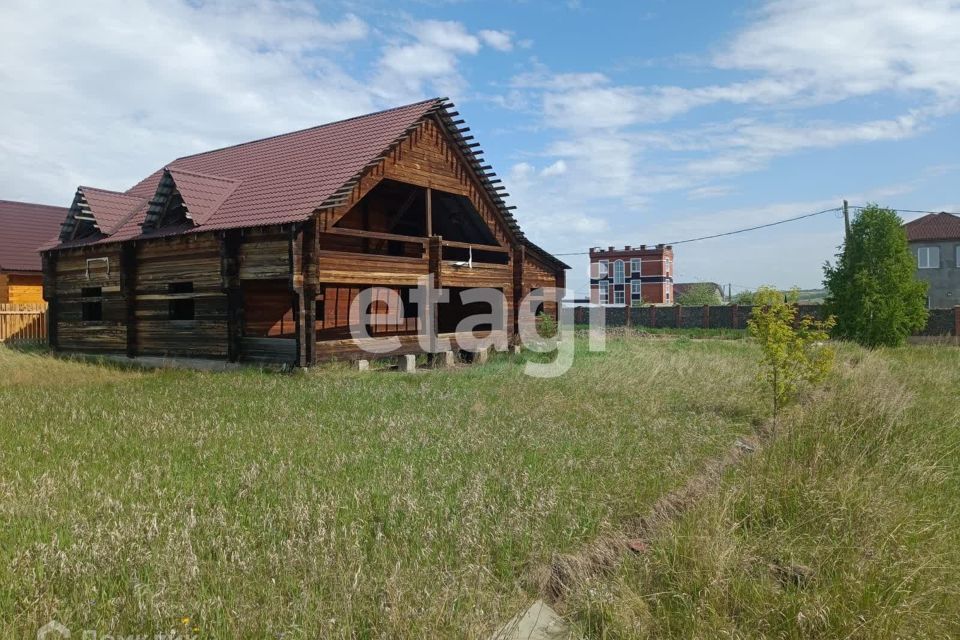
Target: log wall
x=193 y=258
x=107 y=335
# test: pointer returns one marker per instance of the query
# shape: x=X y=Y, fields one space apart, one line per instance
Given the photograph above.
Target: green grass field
x=847 y=525
x=344 y=504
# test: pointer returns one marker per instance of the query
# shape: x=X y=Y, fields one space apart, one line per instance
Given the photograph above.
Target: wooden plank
x=376 y=235
x=477 y=247
x=21 y=323
x=128 y=289
x=230 y=243
x=353 y=348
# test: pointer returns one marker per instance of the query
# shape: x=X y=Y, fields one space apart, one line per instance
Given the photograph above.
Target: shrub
x=793 y=350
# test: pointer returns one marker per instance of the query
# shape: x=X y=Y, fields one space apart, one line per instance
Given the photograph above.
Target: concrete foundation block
x=361 y=365
x=516 y=350
x=407 y=363
x=481 y=357
x=444 y=359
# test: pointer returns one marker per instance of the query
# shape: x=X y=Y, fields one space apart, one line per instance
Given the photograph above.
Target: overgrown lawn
x=336 y=503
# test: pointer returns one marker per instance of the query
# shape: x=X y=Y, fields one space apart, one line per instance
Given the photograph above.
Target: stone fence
x=941 y=322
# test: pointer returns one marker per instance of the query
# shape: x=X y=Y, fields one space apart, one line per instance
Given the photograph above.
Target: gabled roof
x=934 y=226
x=286 y=178
x=23 y=228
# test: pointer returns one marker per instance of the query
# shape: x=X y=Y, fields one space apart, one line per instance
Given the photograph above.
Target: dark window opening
x=181 y=308
x=409 y=308
x=91 y=304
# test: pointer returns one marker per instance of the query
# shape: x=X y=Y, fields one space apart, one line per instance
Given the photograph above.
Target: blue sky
x=610 y=123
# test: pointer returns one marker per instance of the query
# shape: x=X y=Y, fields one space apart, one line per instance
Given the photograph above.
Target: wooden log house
x=255 y=252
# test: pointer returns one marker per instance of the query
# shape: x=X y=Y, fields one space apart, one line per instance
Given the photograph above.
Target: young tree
x=793 y=350
x=873 y=290
x=744 y=297
x=698 y=295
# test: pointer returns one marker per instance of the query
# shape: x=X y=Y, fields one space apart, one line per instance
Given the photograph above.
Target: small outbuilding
x=24 y=228
x=257 y=251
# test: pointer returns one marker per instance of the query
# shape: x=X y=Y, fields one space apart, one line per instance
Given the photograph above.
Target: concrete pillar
x=442 y=359
x=407 y=363
x=361 y=365
x=481 y=357
x=956 y=321
x=516 y=350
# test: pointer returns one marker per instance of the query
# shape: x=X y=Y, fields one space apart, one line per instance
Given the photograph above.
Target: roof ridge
x=33 y=204
x=200 y=175
x=439 y=101
x=110 y=191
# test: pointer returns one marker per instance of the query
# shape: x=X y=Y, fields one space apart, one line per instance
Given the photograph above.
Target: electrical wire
x=953 y=213
x=728 y=233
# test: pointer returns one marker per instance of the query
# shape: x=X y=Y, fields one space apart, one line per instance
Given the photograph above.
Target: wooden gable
x=427 y=158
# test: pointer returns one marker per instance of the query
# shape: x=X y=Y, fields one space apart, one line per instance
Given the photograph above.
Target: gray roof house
x=934 y=241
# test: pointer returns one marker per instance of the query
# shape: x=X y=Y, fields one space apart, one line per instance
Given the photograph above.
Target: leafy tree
x=873 y=290
x=744 y=297
x=793 y=350
x=698 y=295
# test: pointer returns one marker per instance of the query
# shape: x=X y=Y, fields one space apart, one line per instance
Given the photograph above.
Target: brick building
x=632 y=275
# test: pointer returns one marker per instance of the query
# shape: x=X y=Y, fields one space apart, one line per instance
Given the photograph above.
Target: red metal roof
x=23 y=228
x=203 y=195
x=275 y=180
x=934 y=226
x=283 y=178
x=110 y=208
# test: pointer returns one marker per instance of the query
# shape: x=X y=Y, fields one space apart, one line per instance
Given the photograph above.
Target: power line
x=759 y=226
x=727 y=233
x=953 y=213
x=765 y=226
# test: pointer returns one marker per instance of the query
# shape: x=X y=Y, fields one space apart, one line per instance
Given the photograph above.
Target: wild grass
x=846 y=526
x=337 y=503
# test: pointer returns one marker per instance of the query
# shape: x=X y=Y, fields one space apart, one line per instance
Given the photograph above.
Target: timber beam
x=230 y=279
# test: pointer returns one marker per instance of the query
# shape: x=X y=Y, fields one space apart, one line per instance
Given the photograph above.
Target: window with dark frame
x=181 y=308
x=91 y=304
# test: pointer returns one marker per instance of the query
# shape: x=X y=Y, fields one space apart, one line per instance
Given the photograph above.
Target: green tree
x=744 y=297
x=698 y=295
x=873 y=290
x=793 y=349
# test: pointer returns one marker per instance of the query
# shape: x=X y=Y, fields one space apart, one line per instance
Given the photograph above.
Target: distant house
x=258 y=251
x=934 y=241
x=680 y=288
x=632 y=275
x=24 y=227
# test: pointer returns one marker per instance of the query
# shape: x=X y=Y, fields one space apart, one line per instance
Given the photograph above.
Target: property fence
x=23 y=322
x=940 y=322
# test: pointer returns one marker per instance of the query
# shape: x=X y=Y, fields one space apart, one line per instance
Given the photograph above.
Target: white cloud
x=710 y=191
x=854 y=47
x=558 y=168
x=104 y=92
x=446 y=36
x=431 y=63
x=499 y=40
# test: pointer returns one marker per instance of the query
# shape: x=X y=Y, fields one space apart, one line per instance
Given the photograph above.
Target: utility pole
x=846 y=221
x=729 y=292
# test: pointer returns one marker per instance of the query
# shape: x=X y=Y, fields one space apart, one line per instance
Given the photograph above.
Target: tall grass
x=847 y=526
x=336 y=503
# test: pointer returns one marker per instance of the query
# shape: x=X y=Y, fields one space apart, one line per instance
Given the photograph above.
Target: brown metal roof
x=110 y=208
x=285 y=178
x=23 y=228
x=934 y=226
